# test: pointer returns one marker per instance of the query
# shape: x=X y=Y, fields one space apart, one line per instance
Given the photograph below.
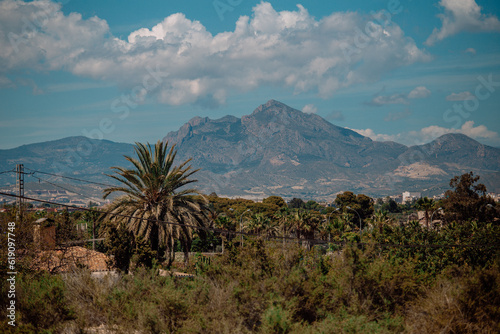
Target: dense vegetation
x=265 y=287
x=297 y=267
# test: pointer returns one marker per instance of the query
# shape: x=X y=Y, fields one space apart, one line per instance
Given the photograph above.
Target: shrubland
x=270 y=287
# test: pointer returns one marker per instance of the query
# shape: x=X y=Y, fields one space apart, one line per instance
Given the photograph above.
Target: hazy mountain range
x=277 y=150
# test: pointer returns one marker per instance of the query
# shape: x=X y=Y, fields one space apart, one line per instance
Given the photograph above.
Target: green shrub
x=42 y=302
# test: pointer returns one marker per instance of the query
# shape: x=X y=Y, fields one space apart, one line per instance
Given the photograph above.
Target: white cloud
x=432 y=132
x=310 y=109
x=459 y=96
x=468 y=128
x=472 y=51
x=374 y=136
x=419 y=92
x=381 y=100
x=462 y=15
x=282 y=48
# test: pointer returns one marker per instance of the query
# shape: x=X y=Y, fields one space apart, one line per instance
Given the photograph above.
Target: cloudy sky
x=129 y=71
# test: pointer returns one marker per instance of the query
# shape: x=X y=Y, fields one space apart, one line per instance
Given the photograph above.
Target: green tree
x=390 y=205
x=468 y=200
x=120 y=244
x=156 y=205
x=360 y=204
x=226 y=224
x=296 y=203
x=312 y=205
x=274 y=200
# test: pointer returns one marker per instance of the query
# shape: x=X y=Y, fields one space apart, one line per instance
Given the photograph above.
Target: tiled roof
x=66 y=259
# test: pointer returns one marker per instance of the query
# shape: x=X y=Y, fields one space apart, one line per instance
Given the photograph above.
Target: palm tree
x=271 y=228
x=305 y=225
x=224 y=223
x=155 y=204
x=282 y=215
x=379 y=218
x=257 y=223
x=427 y=205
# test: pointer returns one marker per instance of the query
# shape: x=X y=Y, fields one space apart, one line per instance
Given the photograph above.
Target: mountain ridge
x=278 y=150
x=286 y=145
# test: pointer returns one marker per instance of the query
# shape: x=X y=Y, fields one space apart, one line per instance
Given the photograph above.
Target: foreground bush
x=264 y=287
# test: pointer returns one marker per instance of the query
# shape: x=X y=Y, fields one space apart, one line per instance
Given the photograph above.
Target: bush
x=41 y=303
x=270 y=288
x=461 y=301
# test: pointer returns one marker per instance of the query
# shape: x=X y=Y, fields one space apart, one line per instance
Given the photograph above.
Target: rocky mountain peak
x=456 y=139
x=195 y=121
x=273 y=108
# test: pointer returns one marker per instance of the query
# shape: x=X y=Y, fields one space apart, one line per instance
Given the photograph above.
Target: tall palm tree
x=156 y=205
x=380 y=218
x=427 y=205
x=224 y=223
x=306 y=225
x=283 y=215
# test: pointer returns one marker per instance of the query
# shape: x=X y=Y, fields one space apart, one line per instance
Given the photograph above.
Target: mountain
x=283 y=151
x=276 y=150
x=70 y=156
x=276 y=136
x=77 y=157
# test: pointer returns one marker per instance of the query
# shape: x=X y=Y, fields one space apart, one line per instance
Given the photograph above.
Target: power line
x=315 y=241
x=58 y=186
x=70 y=178
x=122 y=215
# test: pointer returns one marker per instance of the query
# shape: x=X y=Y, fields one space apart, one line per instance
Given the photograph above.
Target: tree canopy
x=467 y=200
x=362 y=204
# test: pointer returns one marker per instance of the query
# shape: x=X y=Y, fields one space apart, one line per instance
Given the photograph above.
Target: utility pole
x=20 y=191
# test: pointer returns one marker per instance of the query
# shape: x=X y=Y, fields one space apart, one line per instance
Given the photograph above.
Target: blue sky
x=129 y=71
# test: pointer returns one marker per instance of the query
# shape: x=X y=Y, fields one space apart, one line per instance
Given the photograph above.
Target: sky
x=132 y=71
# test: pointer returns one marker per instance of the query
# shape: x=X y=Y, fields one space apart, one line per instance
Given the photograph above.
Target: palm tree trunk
x=154 y=239
x=170 y=251
x=186 y=247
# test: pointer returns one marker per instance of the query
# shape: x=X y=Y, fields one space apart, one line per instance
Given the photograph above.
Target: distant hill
x=77 y=157
x=70 y=156
x=276 y=150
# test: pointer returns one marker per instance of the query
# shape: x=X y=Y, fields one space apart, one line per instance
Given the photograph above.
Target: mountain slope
x=281 y=150
x=456 y=149
x=276 y=150
x=275 y=134
x=78 y=157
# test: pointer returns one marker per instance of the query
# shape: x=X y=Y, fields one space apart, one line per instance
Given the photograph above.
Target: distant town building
x=410 y=196
x=397 y=198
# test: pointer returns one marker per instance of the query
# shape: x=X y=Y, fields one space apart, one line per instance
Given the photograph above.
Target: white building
x=410 y=196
